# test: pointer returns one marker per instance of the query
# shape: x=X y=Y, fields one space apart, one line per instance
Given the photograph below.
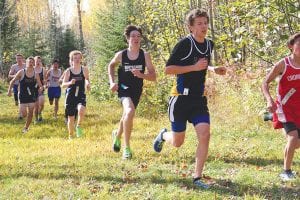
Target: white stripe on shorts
x=171 y=108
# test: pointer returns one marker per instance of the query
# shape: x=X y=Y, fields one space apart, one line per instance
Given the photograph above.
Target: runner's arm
x=275 y=71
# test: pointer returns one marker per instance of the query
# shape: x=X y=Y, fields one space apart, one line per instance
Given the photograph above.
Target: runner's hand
x=88 y=87
x=114 y=87
x=271 y=106
x=137 y=73
x=220 y=70
x=9 y=93
x=201 y=64
x=73 y=81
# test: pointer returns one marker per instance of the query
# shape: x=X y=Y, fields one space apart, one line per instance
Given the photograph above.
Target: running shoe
x=127 y=154
x=25 y=130
x=287 y=175
x=79 y=131
x=116 y=141
x=200 y=184
x=40 y=118
x=159 y=141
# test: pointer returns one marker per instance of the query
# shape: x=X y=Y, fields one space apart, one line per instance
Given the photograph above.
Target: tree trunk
x=80 y=25
x=2 y=17
x=212 y=29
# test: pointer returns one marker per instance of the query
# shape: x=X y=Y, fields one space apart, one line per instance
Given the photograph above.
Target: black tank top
x=126 y=78
x=77 y=89
x=27 y=86
x=41 y=74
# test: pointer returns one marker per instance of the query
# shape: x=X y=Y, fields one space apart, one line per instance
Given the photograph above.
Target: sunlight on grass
x=244 y=162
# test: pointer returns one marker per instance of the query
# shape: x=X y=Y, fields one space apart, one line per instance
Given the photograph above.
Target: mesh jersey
x=41 y=74
x=27 y=87
x=288 y=96
x=187 y=52
x=77 y=89
x=125 y=77
x=15 y=68
x=54 y=79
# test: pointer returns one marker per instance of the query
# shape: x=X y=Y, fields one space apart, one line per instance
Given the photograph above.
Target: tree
x=80 y=25
x=8 y=33
x=108 y=40
x=68 y=43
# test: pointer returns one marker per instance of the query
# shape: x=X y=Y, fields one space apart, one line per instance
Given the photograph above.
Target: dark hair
x=193 y=14
x=130 y=28
x=292 y=39
x=55 y=61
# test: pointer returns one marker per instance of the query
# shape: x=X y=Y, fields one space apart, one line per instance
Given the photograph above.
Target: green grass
x=245 y=156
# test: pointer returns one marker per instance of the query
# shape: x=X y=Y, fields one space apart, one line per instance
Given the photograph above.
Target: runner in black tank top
x=28 y=81
x=27 y=89
x=76 y=79
x=75 y=93
x=130 y=85
x=131 y=73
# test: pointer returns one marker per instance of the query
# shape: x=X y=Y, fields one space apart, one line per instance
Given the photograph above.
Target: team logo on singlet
x=55 y=78
x=293 y=77
x=77 y=78
x=29 y=80
x=131 y=67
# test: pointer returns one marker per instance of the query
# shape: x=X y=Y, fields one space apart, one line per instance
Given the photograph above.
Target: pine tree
x=68 y=43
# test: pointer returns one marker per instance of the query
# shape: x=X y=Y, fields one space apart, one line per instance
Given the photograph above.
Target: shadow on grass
x=256 y=161
x=221 y=187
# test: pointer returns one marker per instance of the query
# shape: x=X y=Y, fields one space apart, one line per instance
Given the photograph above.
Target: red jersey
x=288 y=96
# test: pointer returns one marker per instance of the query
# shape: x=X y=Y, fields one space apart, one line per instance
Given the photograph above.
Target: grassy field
x=245 y=156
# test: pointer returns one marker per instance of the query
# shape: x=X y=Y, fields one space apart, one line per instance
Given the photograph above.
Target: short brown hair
x=292 y=39
x=193 y=14
x=75 y=52
x=37 y=57
x=130 y=28
x=18 y=54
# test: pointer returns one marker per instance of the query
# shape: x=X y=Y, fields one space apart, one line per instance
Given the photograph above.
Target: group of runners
x=30 y=80
x=189 y=62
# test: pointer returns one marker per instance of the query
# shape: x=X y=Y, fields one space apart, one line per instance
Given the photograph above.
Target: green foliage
x=67 y=43
x=8 y=34
x=109 y=40
x=32 y=43
x=255 y=32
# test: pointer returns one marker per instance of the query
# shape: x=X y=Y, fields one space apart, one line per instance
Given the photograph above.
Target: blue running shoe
x=287 y=175
x=159 y=141
x=199 y=183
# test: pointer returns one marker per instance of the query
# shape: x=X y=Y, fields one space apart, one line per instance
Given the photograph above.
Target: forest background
x=250 y=36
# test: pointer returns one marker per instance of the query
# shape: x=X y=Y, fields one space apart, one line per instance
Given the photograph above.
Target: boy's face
x=296 y=47
x=38 y=62
x=55 y=65
x=19 y=59
x=134 y=38
x=200 y=27
x=77 y=58
x=30 y=63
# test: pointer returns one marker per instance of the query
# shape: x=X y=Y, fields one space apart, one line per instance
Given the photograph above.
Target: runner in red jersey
x=286 y=108
x=288 y=96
